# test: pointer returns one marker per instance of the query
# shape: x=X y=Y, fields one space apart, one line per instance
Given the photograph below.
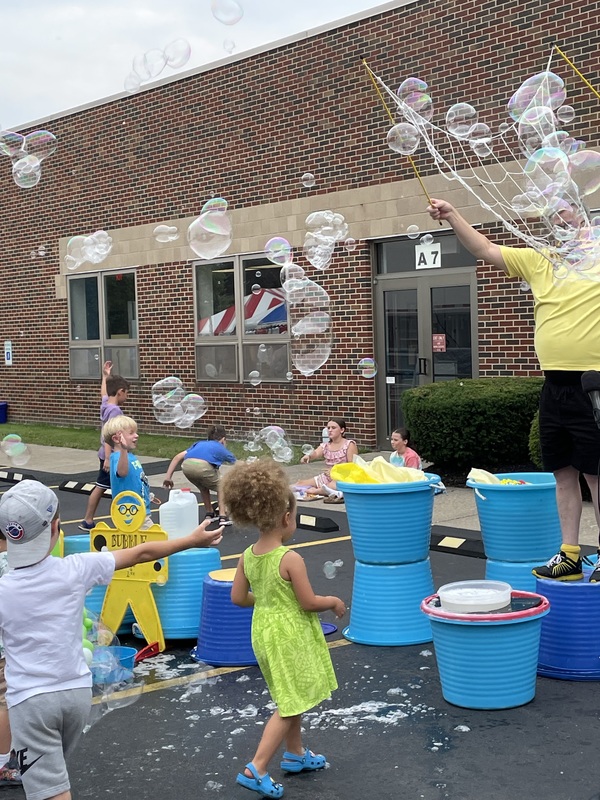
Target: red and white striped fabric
x=264 y=307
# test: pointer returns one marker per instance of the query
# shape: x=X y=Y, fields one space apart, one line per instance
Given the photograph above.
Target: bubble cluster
x=542 y=174
x=16 y=450
x=172 y=405
x=165 y=233
x=93 y=249
x=26 y=154
x=330 y=568
x=210 y=234
x=275 y=439
x=149 y=65
x=324 y=230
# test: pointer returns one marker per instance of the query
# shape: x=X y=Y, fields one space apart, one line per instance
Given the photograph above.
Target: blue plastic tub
x=390 y=523
x=112 y=664
x=179 y=601
x=569 y=644
x=225 y=632
x=517 y=573
x=519 y=523
x=386 y=602
x=487 y=661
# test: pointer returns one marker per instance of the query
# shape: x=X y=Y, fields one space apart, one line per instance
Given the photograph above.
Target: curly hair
x=257 y=494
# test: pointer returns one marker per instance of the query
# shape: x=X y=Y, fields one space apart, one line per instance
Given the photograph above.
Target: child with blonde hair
x=126 y=471
x=287 y=637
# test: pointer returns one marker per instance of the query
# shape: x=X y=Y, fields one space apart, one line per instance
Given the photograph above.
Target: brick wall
x=247 y=131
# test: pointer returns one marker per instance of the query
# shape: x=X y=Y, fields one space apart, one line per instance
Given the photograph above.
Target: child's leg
x=276 y=731
x=4 y=733
x=205 y=494
x=293 y=740
x=93 y=503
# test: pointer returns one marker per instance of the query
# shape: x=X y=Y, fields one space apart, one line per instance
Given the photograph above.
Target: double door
x=426 y=329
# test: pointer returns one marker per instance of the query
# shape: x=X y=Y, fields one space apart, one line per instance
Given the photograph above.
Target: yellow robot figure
x=131 y=586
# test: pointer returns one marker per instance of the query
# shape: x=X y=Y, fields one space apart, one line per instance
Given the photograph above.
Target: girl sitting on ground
x=403 y=455
x=287 y=637
x=338 y=450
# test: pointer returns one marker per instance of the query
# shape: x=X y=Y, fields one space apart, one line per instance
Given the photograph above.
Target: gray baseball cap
x=26 y=514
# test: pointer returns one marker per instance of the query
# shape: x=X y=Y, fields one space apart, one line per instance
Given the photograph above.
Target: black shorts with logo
x=568 y=433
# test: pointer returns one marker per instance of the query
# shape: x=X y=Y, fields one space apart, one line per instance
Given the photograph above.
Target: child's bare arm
x=175 y=462
x=123 y=462
x=106 y=371
x=240 y=591
x=293 y=569
x=152 y=551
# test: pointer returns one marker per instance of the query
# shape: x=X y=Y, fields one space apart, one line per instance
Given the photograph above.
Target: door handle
x=422 y=366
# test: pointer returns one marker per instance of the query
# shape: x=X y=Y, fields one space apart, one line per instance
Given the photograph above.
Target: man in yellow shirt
x=567 y=343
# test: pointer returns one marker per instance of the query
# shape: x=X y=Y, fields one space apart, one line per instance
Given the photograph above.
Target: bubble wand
x=575 y=70
x=393 y=121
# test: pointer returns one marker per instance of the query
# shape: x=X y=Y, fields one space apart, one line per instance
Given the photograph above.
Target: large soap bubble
x=210 y=234
x=226 y=11
x=94 y=248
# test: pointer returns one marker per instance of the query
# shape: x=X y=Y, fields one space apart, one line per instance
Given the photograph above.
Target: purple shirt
x=107 y=411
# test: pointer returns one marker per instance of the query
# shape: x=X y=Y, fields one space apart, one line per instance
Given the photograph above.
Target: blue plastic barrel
x=519 y=522
x=390 y=523
x=179 y=601
x=517 y=573
x=570 y=645
x=386 y=601
x=225 y=631
x=487 y=661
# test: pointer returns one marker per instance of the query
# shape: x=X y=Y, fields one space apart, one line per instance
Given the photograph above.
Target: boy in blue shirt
x=200 y=466
x=126 y=471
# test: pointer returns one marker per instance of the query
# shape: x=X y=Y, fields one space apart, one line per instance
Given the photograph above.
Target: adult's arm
x=475 y=242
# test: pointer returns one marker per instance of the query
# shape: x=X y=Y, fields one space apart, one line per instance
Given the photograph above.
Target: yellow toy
x=131 y=587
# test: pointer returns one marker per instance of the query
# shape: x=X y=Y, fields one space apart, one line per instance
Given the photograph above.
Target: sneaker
x=9 y=773
x=560 y=568
x=225 y=521
x=86 y=526
x=595 y=575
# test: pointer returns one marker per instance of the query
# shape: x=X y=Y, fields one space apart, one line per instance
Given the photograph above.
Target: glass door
x=426 y=332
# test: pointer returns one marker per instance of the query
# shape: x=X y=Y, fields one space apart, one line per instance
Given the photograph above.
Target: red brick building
x=246 y=129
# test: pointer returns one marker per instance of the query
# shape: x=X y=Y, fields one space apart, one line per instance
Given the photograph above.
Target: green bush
x=484 y=422
x=535 y=447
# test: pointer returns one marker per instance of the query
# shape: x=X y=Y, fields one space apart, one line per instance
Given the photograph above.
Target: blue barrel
x=487 y=661
x=517 y=573
x=570 y=645
x=95 y=598
x=225 y=631
x=390 y=523
x=386 y=602
x=179 y=600
x=519 y=522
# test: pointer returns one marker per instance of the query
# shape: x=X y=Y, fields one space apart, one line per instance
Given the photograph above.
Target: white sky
x=56 y=55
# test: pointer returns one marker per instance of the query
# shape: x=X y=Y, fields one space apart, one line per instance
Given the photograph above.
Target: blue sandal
x=293 y=763
x=264 y=786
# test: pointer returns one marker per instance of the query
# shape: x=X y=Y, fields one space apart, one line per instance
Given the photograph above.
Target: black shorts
x=569 y=435
x=103 y=479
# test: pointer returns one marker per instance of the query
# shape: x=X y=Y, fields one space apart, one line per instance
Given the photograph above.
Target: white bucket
x=179 y=516
x=474 y=597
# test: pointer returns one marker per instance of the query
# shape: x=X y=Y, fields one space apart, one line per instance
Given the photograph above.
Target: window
x=103 y=324
x=241 y=321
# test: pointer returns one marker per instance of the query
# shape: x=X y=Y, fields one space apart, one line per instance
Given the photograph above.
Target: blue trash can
x=3 y=413
x=487 y=661
x=390 y=523
x=519 y=522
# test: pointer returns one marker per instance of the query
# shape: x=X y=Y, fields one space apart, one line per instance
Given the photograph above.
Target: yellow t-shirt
x=566 y=312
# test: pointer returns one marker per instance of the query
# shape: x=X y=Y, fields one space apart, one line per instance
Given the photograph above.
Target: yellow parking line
x=298 y=546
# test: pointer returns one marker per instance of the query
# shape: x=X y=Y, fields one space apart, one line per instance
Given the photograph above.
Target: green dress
x=288 y=642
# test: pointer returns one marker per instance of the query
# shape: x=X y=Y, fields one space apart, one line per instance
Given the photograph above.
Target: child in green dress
x=287 y=636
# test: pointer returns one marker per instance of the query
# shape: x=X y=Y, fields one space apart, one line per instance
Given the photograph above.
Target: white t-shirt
x=41 y=614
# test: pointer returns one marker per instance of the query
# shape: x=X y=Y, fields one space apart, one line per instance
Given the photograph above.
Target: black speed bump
x=315 y=522
x=14 y=477
x=82 y=488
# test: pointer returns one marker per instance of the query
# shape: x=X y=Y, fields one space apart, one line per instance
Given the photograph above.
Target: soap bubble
x=350 y=244
x=254 y=377
x=94 y=248
x=210 y=234
x=167 y=392
x=279 y=251
x=9 y=442
x=307 y=449
x=288 y=376
x=12 y=144
x=40 y=144
x=367 y=367
x=330 y=568
x=403 y=138
x=256 y=288
x=19 y=454
x=412 y=231
x=177 y=53
x=308 y=180
x=132 y=83
x=193 y=407
x=226 y=11
x=165 y=233
x=565 y=114
x=228 y=46
x=426 y=240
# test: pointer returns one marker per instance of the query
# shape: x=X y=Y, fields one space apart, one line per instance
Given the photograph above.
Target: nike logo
x=23 y=764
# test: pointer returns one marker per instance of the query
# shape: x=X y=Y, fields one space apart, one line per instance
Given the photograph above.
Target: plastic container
x=179 y=515
x=390 y=523
x=474 y=597
x=519 y=522
x=488 y=661
x=385 y=608
x=225 y=631
x=324 y=435
x=3 y=413
x=569 y=646
x=112 y=664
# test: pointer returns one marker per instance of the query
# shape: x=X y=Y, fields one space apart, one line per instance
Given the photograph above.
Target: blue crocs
x=293 y=763
x=264 y=786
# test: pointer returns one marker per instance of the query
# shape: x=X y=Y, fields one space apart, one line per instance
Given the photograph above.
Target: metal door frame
x=423 y=282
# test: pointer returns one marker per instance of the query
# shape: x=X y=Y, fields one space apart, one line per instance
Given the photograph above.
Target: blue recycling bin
x=3 y=413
